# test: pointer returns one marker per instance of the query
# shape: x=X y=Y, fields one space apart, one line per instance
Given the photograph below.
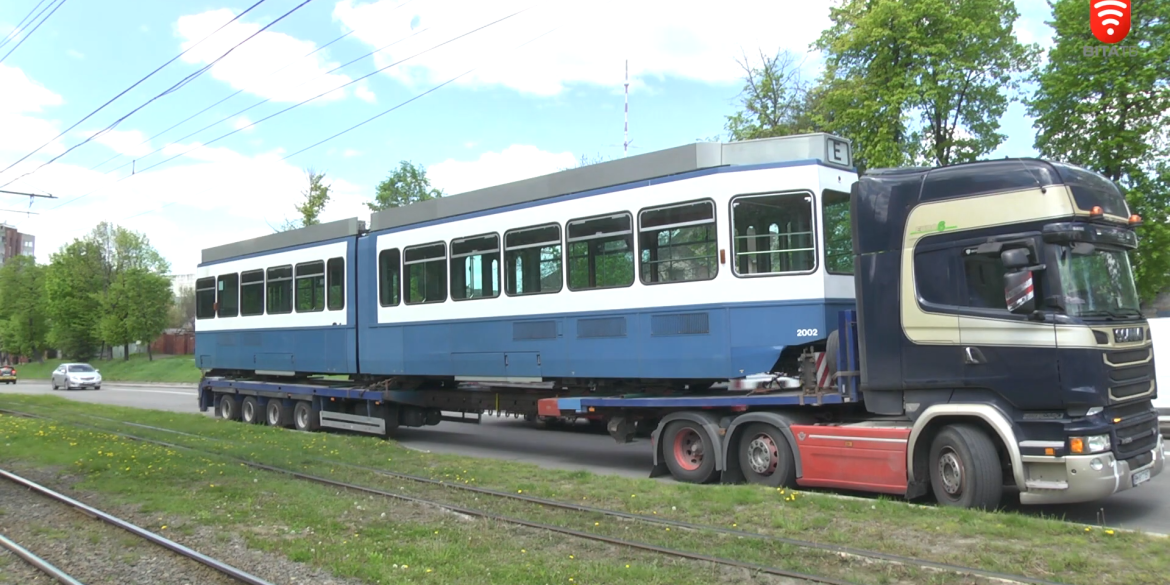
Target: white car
x=1160 y=331
x=70 y=376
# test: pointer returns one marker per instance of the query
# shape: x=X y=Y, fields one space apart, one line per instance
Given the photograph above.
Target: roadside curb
x=132 y=384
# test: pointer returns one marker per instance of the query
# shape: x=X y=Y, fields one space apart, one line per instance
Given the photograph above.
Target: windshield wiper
x=1119 y=313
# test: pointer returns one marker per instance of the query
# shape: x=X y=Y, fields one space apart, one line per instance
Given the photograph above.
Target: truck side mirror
x=1015 y=258
x=1019 y=292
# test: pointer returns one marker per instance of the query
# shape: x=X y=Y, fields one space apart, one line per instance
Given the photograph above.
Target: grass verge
x=1005 y=542
x=162 y=369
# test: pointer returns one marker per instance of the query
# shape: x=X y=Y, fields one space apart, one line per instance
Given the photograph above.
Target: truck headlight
x=1093 y=444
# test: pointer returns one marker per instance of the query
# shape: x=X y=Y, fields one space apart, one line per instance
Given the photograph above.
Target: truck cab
x=1000 y=293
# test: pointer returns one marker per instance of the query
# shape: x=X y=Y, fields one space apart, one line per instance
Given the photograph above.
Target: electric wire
x=17 y=29
x=170 y=90
x=303 y=102
x=25 y=37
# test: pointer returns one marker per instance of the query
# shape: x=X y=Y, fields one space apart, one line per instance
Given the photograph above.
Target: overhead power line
x=136 y=84
x=172 y=89
x=25 y=37
x=19 y=26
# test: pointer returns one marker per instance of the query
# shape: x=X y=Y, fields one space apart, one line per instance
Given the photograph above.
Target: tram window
x=252 y=293
x=426 y=273
x=838 y=232
x=678 y=243
x=336 y=277
x=205 y=298
x=280 y=290
x=475 y=267
x=228 y=299
x=601 y=252
x=311 y=287
x=773 y=234
x=532 y=260
x=389 y=282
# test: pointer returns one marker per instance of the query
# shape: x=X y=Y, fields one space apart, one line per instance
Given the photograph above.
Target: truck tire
x=250 y=411
x=964 y=468
x=831 y=346
x=689 y=452
x=275 y=414
x=227 y=408
x=765 y=457
x=303 y=417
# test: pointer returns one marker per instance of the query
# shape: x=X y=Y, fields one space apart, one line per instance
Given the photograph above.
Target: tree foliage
x=1109 y=112
x=315 y=198
x=74 y=282
x=918 y=81
x=775 y=101
x=23 y=320
x=405 y=185
x=183 y=310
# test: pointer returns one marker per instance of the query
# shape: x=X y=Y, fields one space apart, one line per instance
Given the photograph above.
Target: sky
x=479 y=93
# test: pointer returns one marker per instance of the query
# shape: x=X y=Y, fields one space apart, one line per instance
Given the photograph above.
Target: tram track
x=833 y=549
x=233 y=573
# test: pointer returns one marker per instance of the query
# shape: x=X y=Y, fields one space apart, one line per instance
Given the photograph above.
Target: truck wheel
x=689 y=452
x=303 y=417
x=765 y=457
x=275 y=413
x=964 y=468
x=250 y=411
x=227 y=408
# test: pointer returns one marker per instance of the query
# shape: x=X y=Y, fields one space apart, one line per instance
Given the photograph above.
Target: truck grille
x=1136 y=437
x=1131 y=373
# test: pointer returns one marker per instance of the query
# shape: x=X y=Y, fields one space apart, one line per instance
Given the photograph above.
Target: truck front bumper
x=1084 y=478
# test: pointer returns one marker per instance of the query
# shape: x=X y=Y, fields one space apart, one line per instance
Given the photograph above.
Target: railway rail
x=224 y=568
x=805 y=544
x=41 y=564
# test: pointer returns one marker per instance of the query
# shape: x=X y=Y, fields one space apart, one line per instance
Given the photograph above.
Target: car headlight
x=1093 y=444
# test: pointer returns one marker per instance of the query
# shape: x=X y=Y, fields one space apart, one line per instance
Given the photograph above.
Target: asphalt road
x=583 y=448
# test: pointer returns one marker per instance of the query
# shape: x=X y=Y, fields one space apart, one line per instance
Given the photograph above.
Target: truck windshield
x=1097 y=282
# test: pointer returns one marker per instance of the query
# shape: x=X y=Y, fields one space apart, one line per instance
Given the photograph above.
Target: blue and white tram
x=695 y=264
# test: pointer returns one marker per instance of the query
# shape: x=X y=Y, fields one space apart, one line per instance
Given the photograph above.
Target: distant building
x=181 y=281
x=14 y=243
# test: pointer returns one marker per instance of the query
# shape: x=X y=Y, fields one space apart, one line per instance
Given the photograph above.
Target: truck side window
x=984 y=278
x=934 y=276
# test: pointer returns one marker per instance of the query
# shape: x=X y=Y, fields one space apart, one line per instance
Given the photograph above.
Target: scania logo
x=1127 y=334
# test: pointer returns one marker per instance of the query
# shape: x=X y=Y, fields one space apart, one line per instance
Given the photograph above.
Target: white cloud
x=19 y=132
x=271 y=65
x=181 y=209
x=517 y=162
x=687 y=40
x=128 y=142
x=243 y=122
x=75 y=54
x=349 y=152
x=364 y=93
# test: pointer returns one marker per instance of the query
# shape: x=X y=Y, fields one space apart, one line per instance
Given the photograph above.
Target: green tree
x=74 y=284
x=150 y=296
x=316 y=197
x=1108 y=110
x=23 y=321
x=918 y=81
x=183 y=309
x=775 y=101
x=405 y=185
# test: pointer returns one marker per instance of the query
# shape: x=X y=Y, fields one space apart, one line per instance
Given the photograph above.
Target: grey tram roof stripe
x=298 y=237
x=826 y=148
x=643 y=167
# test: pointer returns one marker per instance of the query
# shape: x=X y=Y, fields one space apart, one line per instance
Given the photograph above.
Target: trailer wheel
x=250 y=411
x=275 y=413
x=689 y=452
x=303 y=417
x=765 y=457
x=227 y=408
x=964 y=468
